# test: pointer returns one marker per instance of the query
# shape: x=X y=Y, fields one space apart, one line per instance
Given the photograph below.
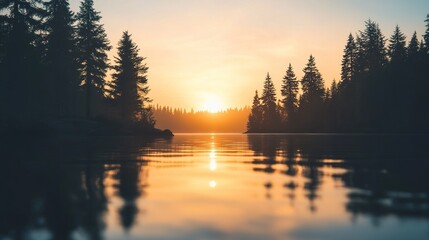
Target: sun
x=213 y=105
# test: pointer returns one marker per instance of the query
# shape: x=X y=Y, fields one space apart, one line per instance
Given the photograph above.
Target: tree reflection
x=382 y=171
x=130 y=188
x=265 y=146
x=94 y=202
x=59 y=187
x=271 y=147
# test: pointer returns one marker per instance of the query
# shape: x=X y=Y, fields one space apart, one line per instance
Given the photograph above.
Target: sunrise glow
x=227 y=47
x=212 y=105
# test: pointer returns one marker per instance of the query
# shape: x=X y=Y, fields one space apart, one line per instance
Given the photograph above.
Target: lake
x=216 y=186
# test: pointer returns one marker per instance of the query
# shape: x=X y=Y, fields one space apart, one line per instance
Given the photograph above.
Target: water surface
x=216 y=186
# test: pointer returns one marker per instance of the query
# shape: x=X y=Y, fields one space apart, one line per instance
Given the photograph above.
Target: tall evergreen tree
x=255 y=118
x=423 y=84
x=371 y=60
x=426 y=35
x=270 y=115
x=348 y=64
x=20 y=59
x=413 y=47
x=397 y=48
x=392 y=80
x=61 y=59
x=129 y=87
x=371 y=51
x=312 y=83
x=348 y=85
x=334 y=88
x=410 y=95
x=312 y=99
x=289 y=91
x=93 y=46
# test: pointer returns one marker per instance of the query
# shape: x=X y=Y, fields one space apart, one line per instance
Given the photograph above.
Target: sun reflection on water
x=213 y=163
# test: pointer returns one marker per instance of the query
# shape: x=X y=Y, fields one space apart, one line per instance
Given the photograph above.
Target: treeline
x=179 y=120
x=54 y=64
x=383 y=88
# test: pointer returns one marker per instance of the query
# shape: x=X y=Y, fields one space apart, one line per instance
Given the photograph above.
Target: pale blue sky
x=202 y=51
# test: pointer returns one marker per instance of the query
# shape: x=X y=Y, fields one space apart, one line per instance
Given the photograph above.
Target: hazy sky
x=219 y=51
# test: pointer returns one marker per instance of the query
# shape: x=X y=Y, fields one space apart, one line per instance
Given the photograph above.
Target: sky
x=214 y=54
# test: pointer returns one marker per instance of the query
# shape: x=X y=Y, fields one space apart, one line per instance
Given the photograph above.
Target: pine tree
x=21 y=62
x=270 y=116
x=312 y=99
x=348 y=85
x=312 y=83
x=328 y=95
x=61 y=59
x=289 y=91
x=426 y=35
x=348 y=64
x=334 y=88
x=423 y=84
x=129 y=84
x=413 y=70
x=255 y=118
x=397 y=49
x=93 y=46
x=371 y=60
x=413 y=47
x=371 y=51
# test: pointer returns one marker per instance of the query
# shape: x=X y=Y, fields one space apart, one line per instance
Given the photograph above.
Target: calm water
x=216 y=187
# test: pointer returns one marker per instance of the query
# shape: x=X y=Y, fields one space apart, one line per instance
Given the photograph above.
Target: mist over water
x=216 y=186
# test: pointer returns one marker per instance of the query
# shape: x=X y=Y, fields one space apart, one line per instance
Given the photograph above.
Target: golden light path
x=213 y=163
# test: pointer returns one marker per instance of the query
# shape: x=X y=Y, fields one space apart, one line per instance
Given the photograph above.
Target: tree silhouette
x=255 y=117
x=311 y=102
x=345 y=101
x=53 y=73
x=129 y=88
x=22 y=20
x=372 y=57
x=270 y=115
x=371 y=49
x=61 y=57
x=93 y=46
x=413 y=47
x=426 y=35
x=394 y=77
x=382 y=89
x=348 y=64
x=334 y=88
x=412 y=73
x=312 y=83
x=290 y=88
x=129 y=189
x=397 y=49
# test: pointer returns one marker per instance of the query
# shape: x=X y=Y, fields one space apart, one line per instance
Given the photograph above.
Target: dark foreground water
x=216 y=187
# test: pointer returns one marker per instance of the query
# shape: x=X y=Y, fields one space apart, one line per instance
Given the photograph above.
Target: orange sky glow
x=212 y=55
